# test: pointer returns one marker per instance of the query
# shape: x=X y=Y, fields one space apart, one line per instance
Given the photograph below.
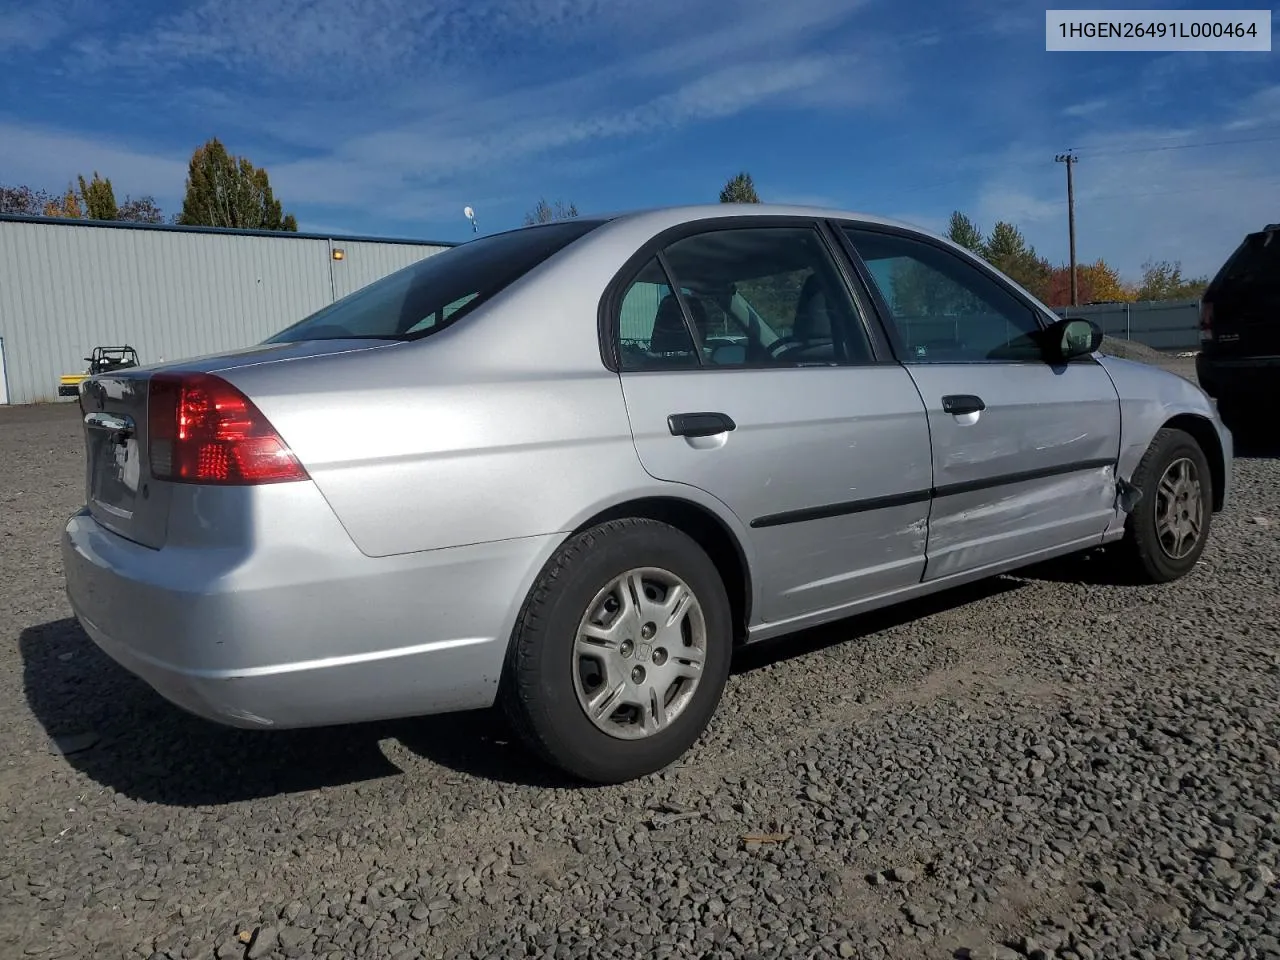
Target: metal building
x=171 y=292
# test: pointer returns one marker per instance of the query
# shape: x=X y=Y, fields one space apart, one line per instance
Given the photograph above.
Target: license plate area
x=115 y=464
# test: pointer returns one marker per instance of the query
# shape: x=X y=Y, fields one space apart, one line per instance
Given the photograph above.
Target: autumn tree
x=99 y=198
x=1104 y=281
x=1163 y=280
x=66 y=207
x=739 y=189
x=545 y=212
x=228 y=191
x=965 y=232
x=22 y=201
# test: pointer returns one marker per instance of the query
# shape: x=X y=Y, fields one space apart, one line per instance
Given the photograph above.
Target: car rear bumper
x=1239 y=378
x=289 y=637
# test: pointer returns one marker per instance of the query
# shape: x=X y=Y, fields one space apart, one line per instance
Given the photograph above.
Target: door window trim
x=608 y=321
x=884 y=312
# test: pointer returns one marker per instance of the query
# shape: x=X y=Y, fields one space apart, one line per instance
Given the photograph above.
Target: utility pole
x=1070 y=160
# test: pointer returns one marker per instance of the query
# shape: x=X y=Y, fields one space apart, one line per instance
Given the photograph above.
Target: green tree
x=1008 y=251
x=739 y=189
x=965 y=232
x=227 y=191
x=545 y=212
x=99 y=198
x=1163 y=280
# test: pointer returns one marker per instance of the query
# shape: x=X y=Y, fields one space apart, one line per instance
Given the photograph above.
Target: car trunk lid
x=120 y=490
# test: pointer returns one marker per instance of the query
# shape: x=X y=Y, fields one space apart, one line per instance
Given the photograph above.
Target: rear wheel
x=621 y=652
x=1167 y=531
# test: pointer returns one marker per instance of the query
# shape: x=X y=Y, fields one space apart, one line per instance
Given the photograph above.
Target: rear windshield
x=1255 y=263
x=439 y=290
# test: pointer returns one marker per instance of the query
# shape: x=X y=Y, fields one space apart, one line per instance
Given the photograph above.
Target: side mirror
x=1072 y=337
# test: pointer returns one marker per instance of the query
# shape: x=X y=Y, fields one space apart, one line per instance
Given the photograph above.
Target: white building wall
x=171 y=293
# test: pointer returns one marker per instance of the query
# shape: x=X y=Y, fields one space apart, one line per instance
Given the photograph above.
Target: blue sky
x=387 y=116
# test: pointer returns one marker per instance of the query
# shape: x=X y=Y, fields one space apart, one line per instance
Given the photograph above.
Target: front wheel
x=621 y=652
x=1169 y=527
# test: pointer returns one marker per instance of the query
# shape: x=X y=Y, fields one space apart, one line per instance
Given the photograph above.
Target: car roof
x=672 y=215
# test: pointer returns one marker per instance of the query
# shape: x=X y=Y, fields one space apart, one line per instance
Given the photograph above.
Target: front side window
x=750 y=296
x=945 y=309
x=437 y=291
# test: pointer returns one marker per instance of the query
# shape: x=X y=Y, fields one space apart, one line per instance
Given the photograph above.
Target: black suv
x=1239 y=360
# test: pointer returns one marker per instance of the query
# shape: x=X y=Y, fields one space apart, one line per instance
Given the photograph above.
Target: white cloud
x=1140 y=194
x=1260 y=110
x=345 y=41
x=458 y=142
x=1086 y=108
x=53 y=158
x=31 y=29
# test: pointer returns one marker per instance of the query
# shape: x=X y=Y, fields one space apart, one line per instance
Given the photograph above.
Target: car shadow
x=128 y=738
x=1256 y=440
x=124 y=736
x=1092 y=568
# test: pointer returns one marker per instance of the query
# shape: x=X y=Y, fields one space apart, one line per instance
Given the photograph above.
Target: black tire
x=1141 y=554
x=537 y=692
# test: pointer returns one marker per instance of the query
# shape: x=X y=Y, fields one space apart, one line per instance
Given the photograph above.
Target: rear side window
x=1255 y=263
x=439 y=290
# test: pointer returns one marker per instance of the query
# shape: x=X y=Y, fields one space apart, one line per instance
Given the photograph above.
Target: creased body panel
x=1150 y=398
x=1031 y=471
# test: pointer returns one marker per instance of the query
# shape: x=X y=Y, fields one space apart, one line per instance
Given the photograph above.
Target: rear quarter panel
x=505 y=426
x=413 y=455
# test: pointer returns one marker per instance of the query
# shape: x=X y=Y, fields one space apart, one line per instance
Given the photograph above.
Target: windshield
x=439 y=290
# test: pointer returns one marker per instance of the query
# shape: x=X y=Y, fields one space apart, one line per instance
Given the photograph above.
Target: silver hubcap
x=1179 y=509
x=639 y=652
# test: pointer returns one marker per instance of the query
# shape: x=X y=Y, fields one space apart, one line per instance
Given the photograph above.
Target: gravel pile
x=1133 y=350
x=1040 y=766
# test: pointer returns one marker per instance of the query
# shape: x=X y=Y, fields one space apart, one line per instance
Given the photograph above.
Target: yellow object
x=69 y=384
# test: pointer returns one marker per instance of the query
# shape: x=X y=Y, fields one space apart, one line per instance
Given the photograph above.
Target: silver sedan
x=571 y=468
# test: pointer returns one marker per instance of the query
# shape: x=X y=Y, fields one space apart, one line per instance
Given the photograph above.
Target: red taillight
x=1206 y=320
x=201 y=429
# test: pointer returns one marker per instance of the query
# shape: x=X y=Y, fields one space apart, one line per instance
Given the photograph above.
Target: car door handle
x=960 y=403
x=699 y=424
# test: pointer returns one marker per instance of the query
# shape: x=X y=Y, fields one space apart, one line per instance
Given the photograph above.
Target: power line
x=1181 y=146
x=1180 y=191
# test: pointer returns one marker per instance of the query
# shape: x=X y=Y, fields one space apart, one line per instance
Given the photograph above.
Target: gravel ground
x=1044 y=765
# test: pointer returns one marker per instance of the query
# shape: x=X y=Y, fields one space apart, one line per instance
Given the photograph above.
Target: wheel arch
x=710 y=533
x=1202 y=431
